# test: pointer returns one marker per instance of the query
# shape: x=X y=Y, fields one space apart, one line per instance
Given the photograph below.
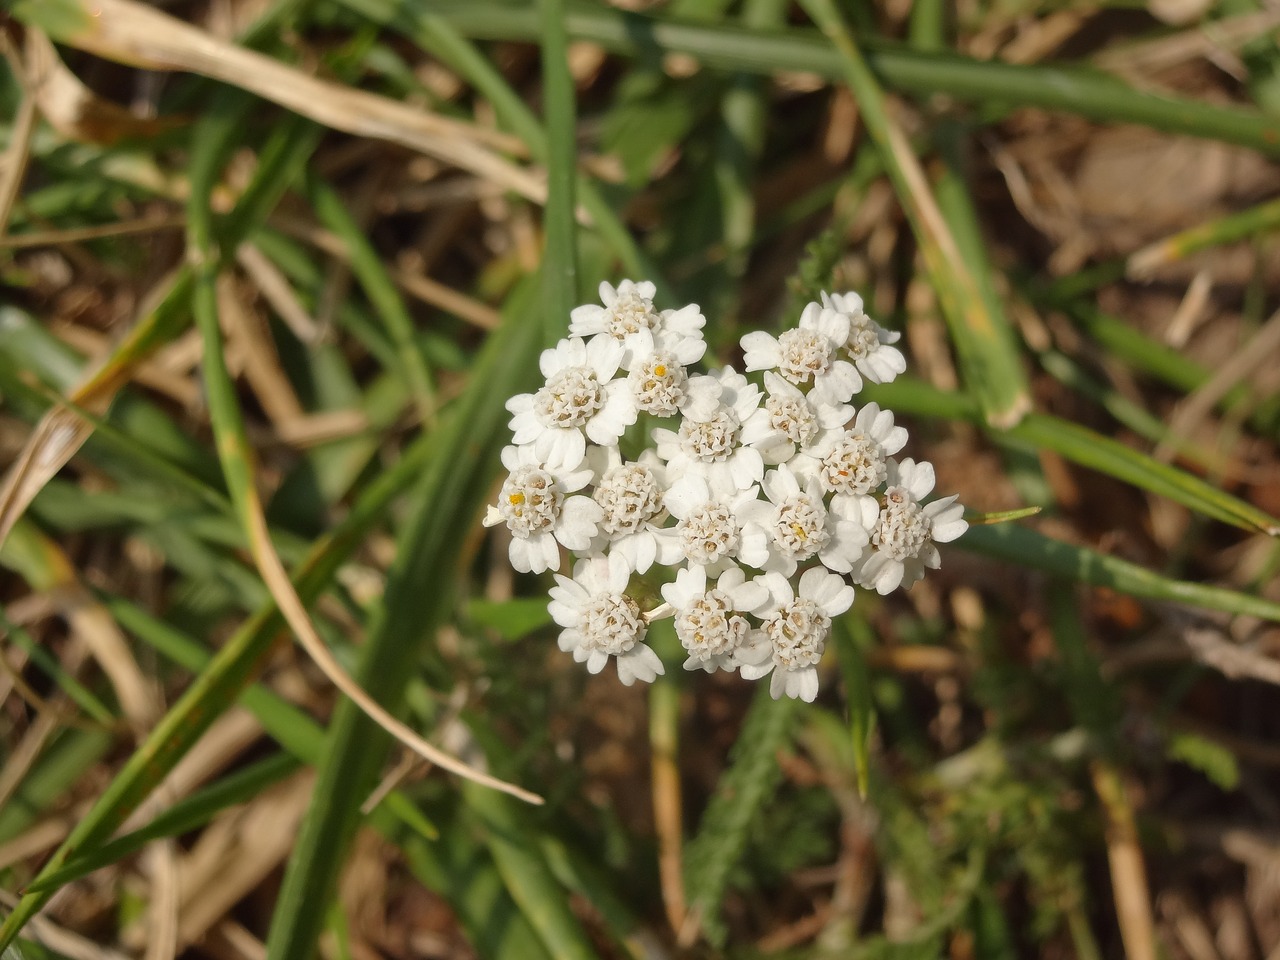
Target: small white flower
x=905 y=534
x=660 y=380
x=852 y=464
x=631 y=499
x=794 y=632
x=803 y=528
x=869 y=345
x=629 y=317
x=536 y=507
x=580 y=401
x=789 y=419
x=718 y=524
x=808 y=354
x=706 y=618
x=710 y=446
x=600 y=621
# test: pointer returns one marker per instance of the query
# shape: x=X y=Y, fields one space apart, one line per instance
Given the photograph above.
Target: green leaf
x=741 y=793
x=1216 y=762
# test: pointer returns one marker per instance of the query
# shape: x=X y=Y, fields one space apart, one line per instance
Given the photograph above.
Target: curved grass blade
x=237 y=458
x=428 y=547
x=130 y=32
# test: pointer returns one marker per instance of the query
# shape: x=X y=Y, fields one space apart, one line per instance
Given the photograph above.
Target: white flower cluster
x=767 y=505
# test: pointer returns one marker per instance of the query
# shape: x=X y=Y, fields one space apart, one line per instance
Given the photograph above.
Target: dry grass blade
x=1128 y=871
x=236 y=853
x=129 y=32
x=56 y=438
x=1253 y=356
x=277 y=581
x=62 y=431
x=73 y=109
x=13 y=164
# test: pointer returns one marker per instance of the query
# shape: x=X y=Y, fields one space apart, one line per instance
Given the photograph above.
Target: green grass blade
x=416 y=601
x=1025 y=547
x=525 y=874
x=560 y=256
x=1087 y=448
x=188 y=814
x=1090 y=449
x=380 y=289
x=1263 y=218
x=853 y=637
x=1083 y=91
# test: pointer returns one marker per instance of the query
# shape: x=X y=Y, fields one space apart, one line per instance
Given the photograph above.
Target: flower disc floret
x=659 y=383
x=708 y=619
x=529 y=501
x=793 y=417
x=630 y=497
x=709 y=534
x=798 y=632
x=711 y=441
x=800 y=528
x=854 y=465
x=803 y=354
x=904 y=528
x=569 y=399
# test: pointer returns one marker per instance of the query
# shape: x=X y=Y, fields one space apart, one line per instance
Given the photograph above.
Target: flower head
x=794 y=632
x=628 y=316
x=601 y=621
x=633 y=514
x=803 y=528
x=537 y=508
x=709 y=618
x=868 y=345
x=808 y=354
x=907 y=529
x=766 y=507
x=580 y=401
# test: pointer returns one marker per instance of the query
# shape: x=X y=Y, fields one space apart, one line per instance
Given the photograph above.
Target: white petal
x=521 y=556
x=579 y=518
x=760 y=351
x=838 y=382
x=639 y=663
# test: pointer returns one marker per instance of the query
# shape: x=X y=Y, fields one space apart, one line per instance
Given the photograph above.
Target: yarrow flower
x=754 y=513
x=601 y=620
